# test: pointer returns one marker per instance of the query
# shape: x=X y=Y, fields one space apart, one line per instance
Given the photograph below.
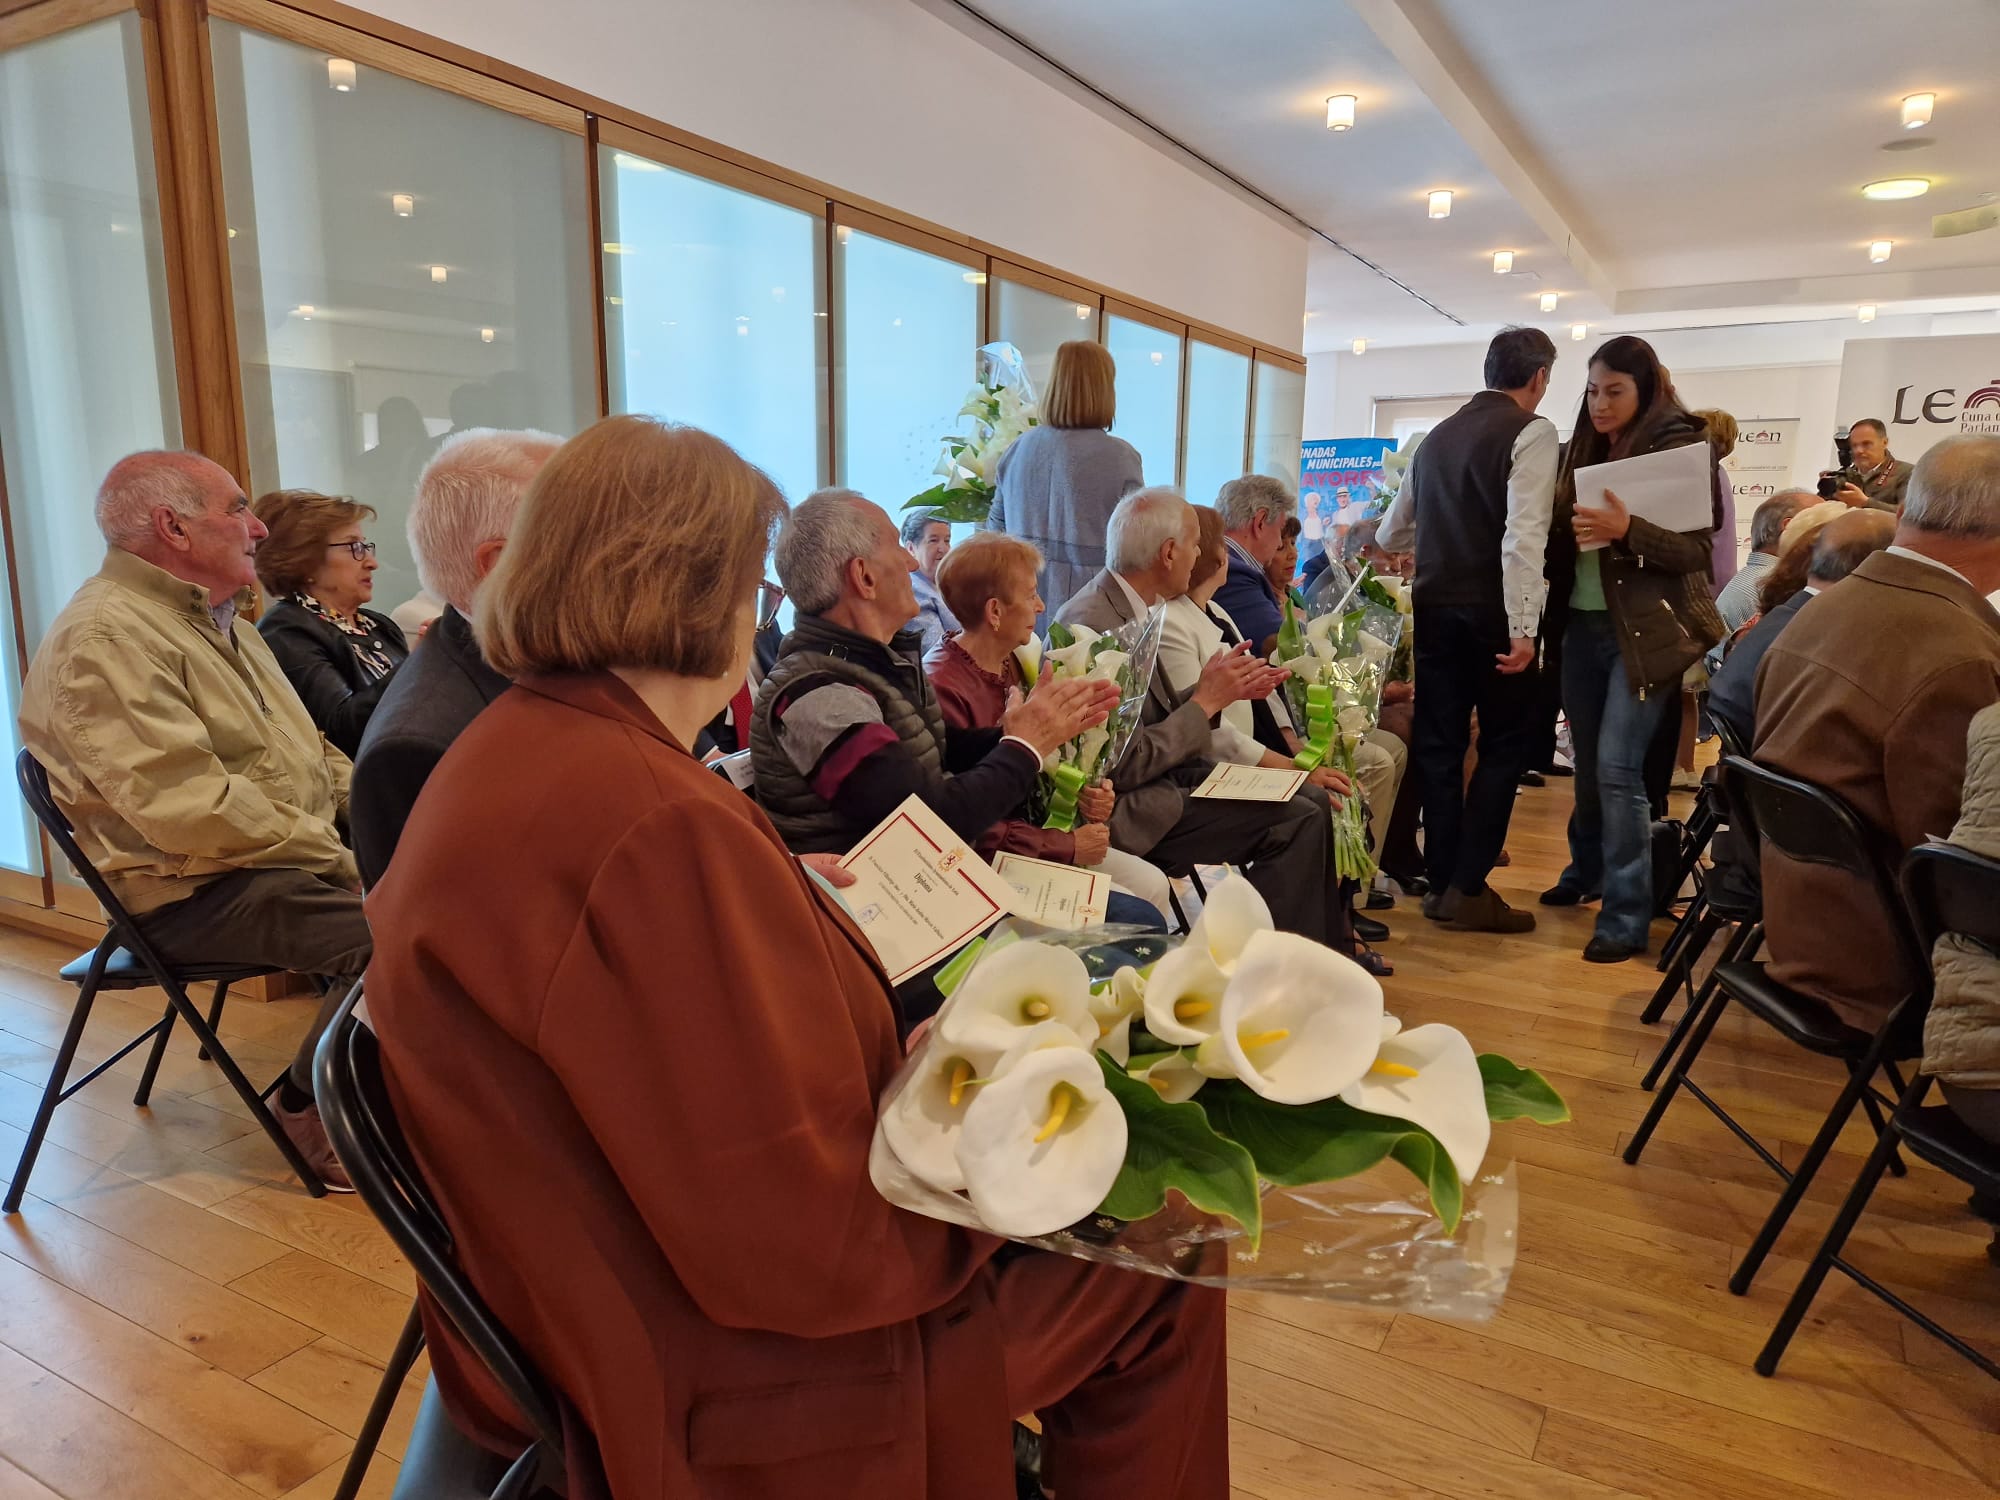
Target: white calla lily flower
x=1068 y=661
x=1115 y=1041
x=1012 y=990
x=1183 y=998
x=1109 y=664
x=1299 y=1021
x=1173 y=1075
x=1429 y=1076
x=1042 y=1143
x=1234 y=913
x=1029 y=655
x=921 y=1123
x=1119 y=996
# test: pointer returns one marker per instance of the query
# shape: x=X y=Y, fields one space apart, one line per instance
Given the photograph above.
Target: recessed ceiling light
x=1503 y=262
x=842 y=232
x=1897 y=187
x=340 y=75
x=1578 y=332
x=1865 y=312
x=438 y=275
x=631 y=163
x=403 y=204
x=1340 y=112
x=1879 y=251
x=1917 y=110
x=1549 y=301
x=485 y=335
x=305 y=310
x=975 y=278
x=1361 y=346
x=1440 y=202
x=612 y=247
x=1082 y=311
x=1158 y=358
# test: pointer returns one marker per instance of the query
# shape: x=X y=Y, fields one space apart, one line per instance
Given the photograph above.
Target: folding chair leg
x=1180 y=915
x=1679 y=970
x=1194 y=879
x=1710 y=1014
x=247 y=1091
x=408 y=1343
x=1823 y=1259
x=1875 y=1118
x=1685 y=930
x=215 y=1012
x=1731 y=950
x=144 y=1091
x=1802 y=1175
x=52 y=1092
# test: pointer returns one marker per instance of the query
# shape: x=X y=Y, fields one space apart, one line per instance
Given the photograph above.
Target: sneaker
x=1440 y=904
x=302 y=1126
x=1486 y=912
x=1568 y=895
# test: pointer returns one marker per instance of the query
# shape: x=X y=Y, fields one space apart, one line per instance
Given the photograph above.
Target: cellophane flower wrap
x=1124 y=656
x=1340 y=656
x=1001 y=406
x=1234 y=1108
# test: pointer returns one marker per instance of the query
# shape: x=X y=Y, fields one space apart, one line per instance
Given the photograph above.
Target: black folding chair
x=354 y=1104
x=124 y=960
x=1950 y=890
x=1809 y=824
x=1710 y=816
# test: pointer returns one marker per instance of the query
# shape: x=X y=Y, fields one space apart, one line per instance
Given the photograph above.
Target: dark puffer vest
x=815 y=654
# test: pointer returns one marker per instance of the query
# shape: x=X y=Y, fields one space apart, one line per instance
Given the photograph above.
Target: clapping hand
x=1059 y=710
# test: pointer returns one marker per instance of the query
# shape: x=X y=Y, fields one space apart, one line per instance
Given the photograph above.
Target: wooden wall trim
x=25 y=21
x=621 y=137
x=1234 y=346
x=1064 y=287
x=1139 y=312
x=594 y=227
x=1291 y=362
x=946 y=247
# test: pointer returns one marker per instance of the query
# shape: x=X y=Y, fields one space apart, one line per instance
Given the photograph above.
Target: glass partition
x=1218 y=419
x=1149 y=393
x=1038 y=323
x=86 y=348
x=714 y=315
x=406 y=264
x=1278 y=424
x=908 y=328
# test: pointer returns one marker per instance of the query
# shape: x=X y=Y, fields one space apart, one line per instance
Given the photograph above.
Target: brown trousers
x=283 y=919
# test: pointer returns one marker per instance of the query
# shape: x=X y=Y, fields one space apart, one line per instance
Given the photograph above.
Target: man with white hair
x=1254 y=509
x=1285 y=848
x=196 y=782
x=846 y=725
x=464 y=508
x=1868 y=693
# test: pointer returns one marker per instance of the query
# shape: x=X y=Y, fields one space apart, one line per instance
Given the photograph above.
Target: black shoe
x=1568 y=895
x=1368 y=929
x=1378 y=901
x=1533 y=778
x=1601 y=950
x=1374 y=963
x=1410 y=885
x=1439 y=905
x=1556 y=770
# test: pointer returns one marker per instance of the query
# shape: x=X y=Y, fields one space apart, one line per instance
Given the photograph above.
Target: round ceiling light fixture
x=1503 y=262
x=1879 y=251
x=1891 y=188
x=1549 y=301
x=1917 y=110
x=1440 y=203
x=1340 y=111
x=1865 y=312
x=1578 y=332
x=1360 y=346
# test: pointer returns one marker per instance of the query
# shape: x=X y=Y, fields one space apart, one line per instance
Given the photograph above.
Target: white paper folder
x=1674 y=489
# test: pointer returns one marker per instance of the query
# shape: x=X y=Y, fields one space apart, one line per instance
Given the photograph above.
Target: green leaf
x=953 y=973
x=968 y=504
x=1060 y=635
x=1517 y=1093
x=1172 y=1146
x=1296 y=1144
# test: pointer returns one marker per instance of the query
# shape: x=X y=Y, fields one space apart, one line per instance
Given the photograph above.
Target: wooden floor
x=178 y=1319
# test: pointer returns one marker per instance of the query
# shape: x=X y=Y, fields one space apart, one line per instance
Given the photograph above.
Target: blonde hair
x=1210 y=556
x=467 y=496
x=638 y=545
x=981 y=569
x=1722 y=430
x=1083 y=387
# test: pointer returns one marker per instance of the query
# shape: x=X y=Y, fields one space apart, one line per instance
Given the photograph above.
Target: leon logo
x=1981 y=413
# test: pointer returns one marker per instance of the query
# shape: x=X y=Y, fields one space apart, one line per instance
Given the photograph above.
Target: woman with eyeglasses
x=319 y=573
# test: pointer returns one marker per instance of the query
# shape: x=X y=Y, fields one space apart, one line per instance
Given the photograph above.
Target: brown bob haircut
x=1210 y=555
x=300 y=521
x=1082 y=386
x=638 y=545
x=990 y=565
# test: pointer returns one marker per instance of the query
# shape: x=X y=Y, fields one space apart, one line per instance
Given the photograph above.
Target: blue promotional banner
x=1340 y=486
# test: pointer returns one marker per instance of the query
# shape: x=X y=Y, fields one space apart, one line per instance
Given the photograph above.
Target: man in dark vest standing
x=1475 y=509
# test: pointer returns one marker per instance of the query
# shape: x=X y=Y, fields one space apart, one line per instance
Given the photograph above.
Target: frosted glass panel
x=1149 y=393
x=713 y=315
x=1218 y=412
x=1038 y=323
x=1279 y=423
x=908 y=326
x=86 y=352
x=406 y=264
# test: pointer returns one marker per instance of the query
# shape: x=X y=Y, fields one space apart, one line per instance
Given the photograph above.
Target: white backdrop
x=1924 y=389
x=1761 y=466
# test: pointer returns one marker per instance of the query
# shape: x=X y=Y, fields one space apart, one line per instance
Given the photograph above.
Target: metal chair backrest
x=354 y=1105
x=1731 y=745
x=123 y=932
x=1953 y=890
x=1809 y=824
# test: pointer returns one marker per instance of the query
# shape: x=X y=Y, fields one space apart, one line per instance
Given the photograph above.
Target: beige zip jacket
x=179 y=753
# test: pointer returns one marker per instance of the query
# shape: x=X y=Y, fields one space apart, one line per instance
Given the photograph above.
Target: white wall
x=1761 y=372
x=886 y=101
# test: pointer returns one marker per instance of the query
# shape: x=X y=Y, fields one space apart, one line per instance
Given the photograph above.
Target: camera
x=1829 y=486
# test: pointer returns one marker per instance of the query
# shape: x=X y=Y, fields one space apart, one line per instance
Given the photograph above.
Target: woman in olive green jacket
x=1640 y=613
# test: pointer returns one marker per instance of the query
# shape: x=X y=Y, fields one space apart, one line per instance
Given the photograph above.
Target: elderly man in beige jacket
x=197 y=783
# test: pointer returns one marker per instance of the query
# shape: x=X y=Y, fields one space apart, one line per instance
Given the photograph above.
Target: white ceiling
x=1660 y=167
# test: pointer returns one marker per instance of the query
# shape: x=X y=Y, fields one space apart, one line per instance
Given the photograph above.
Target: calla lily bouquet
x=1058 y=1086
x=1002 y=406
x=1340 y=658
x=1124 y=656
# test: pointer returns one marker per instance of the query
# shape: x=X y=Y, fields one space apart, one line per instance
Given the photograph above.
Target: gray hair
x=140 y=483
x=467 y=495
x=1955 y=490
x=1240 y=500
x=823 y=534
x=917 y=522
x=1144 y=522
x=1767 y=524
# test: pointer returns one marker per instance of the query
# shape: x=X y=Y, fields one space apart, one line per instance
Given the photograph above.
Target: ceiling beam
x=1881 y=287
x=1428 y=51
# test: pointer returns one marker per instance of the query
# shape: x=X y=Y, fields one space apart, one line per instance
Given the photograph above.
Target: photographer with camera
x=1871 y=477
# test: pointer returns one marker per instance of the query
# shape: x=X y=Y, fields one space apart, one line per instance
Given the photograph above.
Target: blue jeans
x=1610 y=833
